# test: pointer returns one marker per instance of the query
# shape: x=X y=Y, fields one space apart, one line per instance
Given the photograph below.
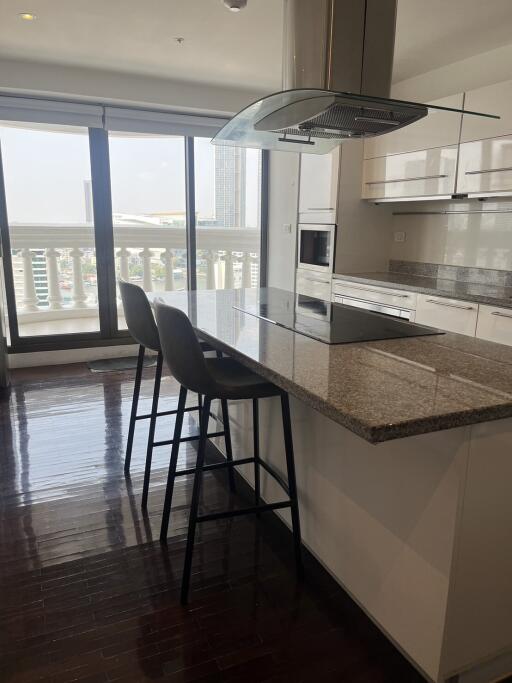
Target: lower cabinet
x=495 y=324
x=451 y=315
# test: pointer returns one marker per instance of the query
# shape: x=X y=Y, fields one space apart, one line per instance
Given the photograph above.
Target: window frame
x=109 y=334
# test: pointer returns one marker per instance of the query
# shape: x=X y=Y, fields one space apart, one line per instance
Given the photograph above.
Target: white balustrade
x=52 y=273
x=79 y=295
x=246 y=270
x=147 y=276
x=226 y=258
x=123 y=255
x=210 y=270
x=228 y=270
x=29 y=300
x=168 y=261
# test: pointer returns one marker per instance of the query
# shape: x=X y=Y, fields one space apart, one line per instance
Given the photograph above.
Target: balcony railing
x=55 y=265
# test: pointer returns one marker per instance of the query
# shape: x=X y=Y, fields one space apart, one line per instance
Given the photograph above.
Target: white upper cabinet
x=493 y=99
x=318 y=187
x=437 y=129
x=425 y=173
x=485 y=166
x=485 y=158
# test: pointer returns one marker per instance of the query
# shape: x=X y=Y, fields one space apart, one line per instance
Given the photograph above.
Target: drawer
x=316 y=286
x=426 y=173
x=381 y=295
x=451 y=315
x=495 y=324
x=485 y=166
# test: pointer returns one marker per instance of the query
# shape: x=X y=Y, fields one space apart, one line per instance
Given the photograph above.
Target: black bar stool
x=226 y=379
x=141 y=325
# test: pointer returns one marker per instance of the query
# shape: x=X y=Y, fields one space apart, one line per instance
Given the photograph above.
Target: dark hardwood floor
x=86 y=591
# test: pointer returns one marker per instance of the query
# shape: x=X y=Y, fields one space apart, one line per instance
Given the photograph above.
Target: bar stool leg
x=256 y=450
x=227 y=441
x=194 y=506
x=292 y=483
x=133 y=414
x=152 y=425
x=173 y=464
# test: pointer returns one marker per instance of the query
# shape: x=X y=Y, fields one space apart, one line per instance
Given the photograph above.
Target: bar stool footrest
x=194 y=437
x=166 y=412
x=215 y=466
x=244 y=511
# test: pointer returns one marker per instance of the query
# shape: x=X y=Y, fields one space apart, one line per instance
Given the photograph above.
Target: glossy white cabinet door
x=451 y=315
x=495 y=324
x=437 y=129
x=426 y=173
x=381 y=295
x=493 y=99
x=485 y=166
x=318 y=187
x=313 y=284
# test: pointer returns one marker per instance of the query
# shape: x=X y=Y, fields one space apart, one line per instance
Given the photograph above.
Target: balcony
x=55 y=268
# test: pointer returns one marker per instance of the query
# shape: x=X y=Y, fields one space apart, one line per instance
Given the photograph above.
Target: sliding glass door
x=48 y=198
x=94 y=194
x=148 y=210
x=228 y=215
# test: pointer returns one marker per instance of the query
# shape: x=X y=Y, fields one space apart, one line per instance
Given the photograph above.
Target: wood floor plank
x=88 y=594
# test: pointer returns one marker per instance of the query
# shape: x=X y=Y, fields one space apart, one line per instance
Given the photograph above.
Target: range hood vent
x=336 y=53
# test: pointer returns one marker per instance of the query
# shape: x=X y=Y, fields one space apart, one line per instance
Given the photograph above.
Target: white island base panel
x=417 y=530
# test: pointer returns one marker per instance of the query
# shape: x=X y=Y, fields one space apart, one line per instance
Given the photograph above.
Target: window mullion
x=190 y=190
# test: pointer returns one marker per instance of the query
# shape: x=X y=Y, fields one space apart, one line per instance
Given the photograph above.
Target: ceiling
x=433 y=33
x=239 y=50
x=220 y=47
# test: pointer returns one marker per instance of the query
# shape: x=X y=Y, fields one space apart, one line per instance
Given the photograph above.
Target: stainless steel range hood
x=337 y=65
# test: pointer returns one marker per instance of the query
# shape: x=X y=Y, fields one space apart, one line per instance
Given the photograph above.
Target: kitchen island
x=404 y=463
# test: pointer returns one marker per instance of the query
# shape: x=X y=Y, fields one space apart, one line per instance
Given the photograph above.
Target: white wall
x=53 y=80
x=475 y=72
x=283 y=205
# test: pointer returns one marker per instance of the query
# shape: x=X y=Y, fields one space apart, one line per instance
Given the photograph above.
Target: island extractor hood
x=337 y=64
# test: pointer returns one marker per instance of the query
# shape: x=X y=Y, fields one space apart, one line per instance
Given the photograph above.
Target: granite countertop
x=493 y=295
x=379 y=390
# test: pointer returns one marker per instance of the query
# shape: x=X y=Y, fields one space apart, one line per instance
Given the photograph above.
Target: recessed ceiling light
x=235 y=5
x=27 y=16
x=179 y=40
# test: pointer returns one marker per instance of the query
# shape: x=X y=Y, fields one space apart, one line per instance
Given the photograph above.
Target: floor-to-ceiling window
x=148 y=210
x=47 y=176
x=228 y=215
x=120 y=196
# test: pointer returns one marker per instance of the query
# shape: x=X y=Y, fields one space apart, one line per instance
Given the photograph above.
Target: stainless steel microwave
x=316 y=247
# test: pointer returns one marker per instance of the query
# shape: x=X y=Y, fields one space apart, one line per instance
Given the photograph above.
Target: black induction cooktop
x=327 y=322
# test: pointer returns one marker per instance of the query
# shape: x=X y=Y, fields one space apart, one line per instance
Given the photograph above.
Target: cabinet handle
x=445 y=303
x=403 y=180
x=490 y=170
x=502 y=315
x=376 y=291
x=320 y=208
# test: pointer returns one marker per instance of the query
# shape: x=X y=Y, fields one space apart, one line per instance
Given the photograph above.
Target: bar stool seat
x=225 y=379
x=238 y=382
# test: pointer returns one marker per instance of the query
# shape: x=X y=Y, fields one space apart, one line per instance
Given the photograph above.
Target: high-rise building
x=230 y=187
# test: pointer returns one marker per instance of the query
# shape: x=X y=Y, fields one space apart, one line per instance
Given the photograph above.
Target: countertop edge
x=372 y=434
x=473 y=298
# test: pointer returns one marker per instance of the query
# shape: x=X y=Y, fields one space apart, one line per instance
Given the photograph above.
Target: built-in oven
x=316 y=247
x=394 y=311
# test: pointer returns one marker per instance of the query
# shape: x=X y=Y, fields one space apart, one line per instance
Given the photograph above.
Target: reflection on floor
x=86 y=592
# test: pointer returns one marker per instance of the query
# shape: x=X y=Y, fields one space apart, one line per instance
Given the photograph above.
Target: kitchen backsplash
x=476 y=235
x=483 y=276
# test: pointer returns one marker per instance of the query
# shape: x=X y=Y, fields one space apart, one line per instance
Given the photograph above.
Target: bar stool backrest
x=182 y=351
x=139 y=316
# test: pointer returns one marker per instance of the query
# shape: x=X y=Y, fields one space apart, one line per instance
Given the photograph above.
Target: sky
x=46 y=173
